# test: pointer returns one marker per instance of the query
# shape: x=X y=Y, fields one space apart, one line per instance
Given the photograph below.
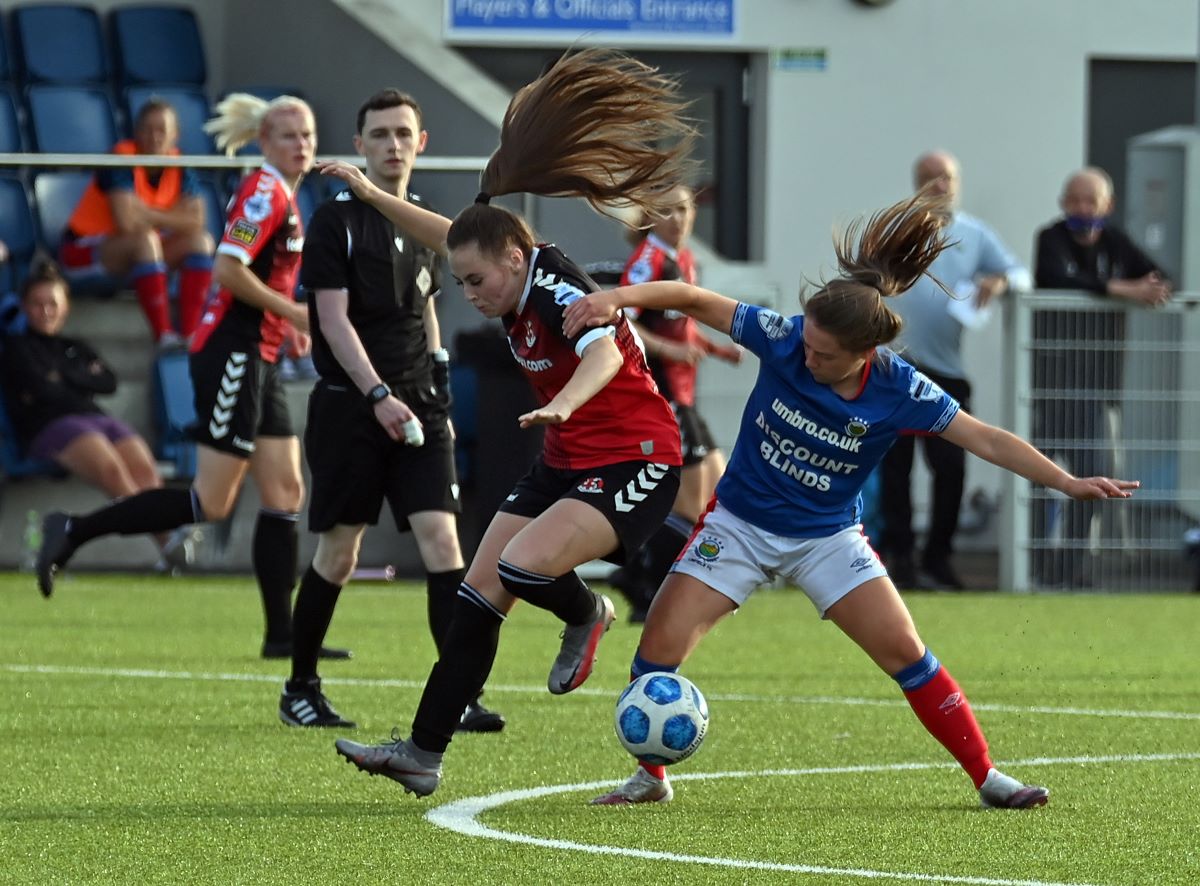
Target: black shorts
x=355 y=465
x=694 y=436
x=634 y=496
x=238 y=398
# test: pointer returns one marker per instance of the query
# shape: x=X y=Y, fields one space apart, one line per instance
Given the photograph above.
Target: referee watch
x=377 y=393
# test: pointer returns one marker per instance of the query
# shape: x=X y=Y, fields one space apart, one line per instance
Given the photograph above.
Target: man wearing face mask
x=1083 y=251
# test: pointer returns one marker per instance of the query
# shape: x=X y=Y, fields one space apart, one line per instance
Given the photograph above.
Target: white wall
x=1000 y=83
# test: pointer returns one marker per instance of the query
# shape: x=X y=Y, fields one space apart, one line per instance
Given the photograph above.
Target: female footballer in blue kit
x=828 y=403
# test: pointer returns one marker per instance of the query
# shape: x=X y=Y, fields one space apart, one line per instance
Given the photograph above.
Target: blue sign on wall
x=669 y=18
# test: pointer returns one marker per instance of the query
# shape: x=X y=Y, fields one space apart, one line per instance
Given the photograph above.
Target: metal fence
x=1103 y=387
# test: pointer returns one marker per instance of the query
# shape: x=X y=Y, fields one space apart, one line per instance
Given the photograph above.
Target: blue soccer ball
x=661 y=718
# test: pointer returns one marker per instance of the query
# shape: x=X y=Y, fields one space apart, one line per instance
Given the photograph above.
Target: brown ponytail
x=598 y=125
x=881 y=258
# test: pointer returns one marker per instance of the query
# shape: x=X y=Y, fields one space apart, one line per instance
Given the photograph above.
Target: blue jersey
x=803 y=453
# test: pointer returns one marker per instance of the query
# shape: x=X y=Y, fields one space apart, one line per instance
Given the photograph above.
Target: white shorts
x=734 y=558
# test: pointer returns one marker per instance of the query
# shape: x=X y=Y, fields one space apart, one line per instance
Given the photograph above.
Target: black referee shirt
x=389 y=278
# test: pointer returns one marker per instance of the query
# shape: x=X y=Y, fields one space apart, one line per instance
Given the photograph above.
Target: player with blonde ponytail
x=243 y=422
x=828 y=403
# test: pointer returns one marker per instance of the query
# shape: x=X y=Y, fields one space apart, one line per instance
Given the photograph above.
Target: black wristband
x=377 y=393
x=441 y=381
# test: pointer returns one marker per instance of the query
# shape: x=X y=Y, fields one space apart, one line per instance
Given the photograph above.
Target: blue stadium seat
x=157 y=44
x=6 y=65
x=56 y=194
x=214 y=208
x=191 y=107
x=311 y=194
x=58 y=43
x=175 y=412
x=71 y=119
x=17 y=230
x=11 y=140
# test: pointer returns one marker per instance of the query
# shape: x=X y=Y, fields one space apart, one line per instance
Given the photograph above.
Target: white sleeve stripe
x=225 y=248
x=591 y=336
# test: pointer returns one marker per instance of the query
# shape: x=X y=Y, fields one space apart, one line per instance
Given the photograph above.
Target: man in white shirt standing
x=976 y=268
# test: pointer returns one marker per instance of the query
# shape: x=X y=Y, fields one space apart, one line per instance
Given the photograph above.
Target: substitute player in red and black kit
x=243 y=421
x=674 y=346
x=594 y=126
x=377 y=347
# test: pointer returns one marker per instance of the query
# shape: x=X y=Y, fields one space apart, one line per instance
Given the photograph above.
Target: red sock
x=656 y=769
x=943 y=709
x=151 y=288
x=193 y=290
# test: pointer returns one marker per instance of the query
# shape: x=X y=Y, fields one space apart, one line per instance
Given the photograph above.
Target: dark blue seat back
x=214 y=208
x=175 y=412
x=6 y=65
x=59 y=43
x=11 y=138
x=191 y=109
x=56 y=195
x=71 y=119
x=310 y=195
x=17 y=229
x=157 y=44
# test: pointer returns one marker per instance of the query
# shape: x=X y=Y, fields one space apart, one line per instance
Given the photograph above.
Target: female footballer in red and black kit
x=595 y=125
x=243 y=421
x=674 y=347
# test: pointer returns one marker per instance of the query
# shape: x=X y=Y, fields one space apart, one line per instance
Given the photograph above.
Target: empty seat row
x=80 y=119
x=65 y=43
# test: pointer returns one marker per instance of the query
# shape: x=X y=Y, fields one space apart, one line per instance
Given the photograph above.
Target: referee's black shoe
x=283 y=649
x=55 y=551
x=305 y=705
x=477 y=718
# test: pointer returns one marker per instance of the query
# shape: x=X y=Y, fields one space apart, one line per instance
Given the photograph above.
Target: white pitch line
x=848 y=701
x=461 y=816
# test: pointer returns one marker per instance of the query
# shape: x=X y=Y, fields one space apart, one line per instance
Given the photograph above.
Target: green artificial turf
x=142 y=745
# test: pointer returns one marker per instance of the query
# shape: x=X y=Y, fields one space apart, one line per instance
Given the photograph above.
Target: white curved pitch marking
x=461 y=816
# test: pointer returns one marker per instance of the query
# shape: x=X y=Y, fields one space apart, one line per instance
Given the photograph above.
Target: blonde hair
x=241 y=118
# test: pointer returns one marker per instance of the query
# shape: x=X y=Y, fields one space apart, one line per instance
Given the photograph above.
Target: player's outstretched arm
x=1011 y=452
x=599 y=308
x=427 y=227
x=600 y=362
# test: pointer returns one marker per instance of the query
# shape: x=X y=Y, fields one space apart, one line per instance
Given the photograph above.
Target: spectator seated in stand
x=142 y=222
x=51 y=382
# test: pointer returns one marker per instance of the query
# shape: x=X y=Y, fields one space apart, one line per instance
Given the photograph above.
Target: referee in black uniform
x=378 y=418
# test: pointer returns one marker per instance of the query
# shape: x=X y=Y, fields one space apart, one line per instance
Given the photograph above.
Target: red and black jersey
x=627 y=420
x=655 y=260
x=263 y=231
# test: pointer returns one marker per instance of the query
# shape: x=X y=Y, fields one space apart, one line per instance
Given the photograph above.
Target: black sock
x=662 y=549
x=315 y=603
x=566 y=596
x=155 y=510
x=441 y=592
x=274 y=554
x=459 y=675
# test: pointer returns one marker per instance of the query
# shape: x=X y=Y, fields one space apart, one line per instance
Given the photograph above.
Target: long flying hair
x=881 y=257
x=598 y=125
x=241 y=118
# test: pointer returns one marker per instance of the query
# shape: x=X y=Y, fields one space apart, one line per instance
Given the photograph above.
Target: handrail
x=216 y=161
x=1079 y=300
